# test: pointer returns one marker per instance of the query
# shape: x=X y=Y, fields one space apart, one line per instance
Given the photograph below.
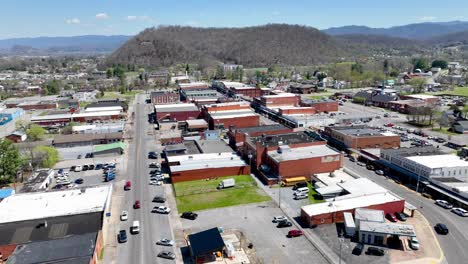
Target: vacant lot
x=202 y=194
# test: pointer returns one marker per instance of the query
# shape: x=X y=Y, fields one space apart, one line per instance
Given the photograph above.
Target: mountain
x=450 y=40
x=250 y=46
x=367 y=45
x=87 y=43
x=418 y=31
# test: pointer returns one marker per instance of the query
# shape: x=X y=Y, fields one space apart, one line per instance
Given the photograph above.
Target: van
x=302 y=190
x=135 y=228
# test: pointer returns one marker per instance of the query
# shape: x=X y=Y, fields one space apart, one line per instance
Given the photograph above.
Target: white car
x=414 y=243
x=162 y=209
x=124 y=216
x=165 y=242
x=78 y=168
x=444 y=204
x=379 y=172
x=301 y=196
x=460 y=212
x=155 y=182
x=279 y=218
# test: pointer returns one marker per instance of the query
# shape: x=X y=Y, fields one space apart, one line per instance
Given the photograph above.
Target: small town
x=196 y=150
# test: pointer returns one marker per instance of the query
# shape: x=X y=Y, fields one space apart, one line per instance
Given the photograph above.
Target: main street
x=142 y=248
x=453 y=244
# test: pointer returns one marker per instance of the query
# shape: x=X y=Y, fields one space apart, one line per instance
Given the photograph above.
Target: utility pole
x=279 y=191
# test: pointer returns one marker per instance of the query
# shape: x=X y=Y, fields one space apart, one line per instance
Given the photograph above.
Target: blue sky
x=31 y=18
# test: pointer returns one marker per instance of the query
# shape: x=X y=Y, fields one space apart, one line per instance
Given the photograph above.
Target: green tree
x=35 y=132
x=22 y=125
x=359 y=100
x=240 y=73
x=110 y=73
x=440 y=63
x=219 y=72
x=465 y=110
x=52 y=87
x=10 y=161
x=45 y=156
x=321 y=76
x=418 y=84
x=357 y=68
x=420 y=63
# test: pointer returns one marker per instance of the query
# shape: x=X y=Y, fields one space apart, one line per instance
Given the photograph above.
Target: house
x=460 y=126
x=17 y=136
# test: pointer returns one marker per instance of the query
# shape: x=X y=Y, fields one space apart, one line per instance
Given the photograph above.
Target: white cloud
x=140 y=18
x=130 y=18
x=427 y=18
x=102 y=16
x=72 y=21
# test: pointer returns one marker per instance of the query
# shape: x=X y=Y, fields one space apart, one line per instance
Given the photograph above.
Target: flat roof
x=232 y=113
x=176 y=108
x=205 y=161
x=196 y=122
x=280 y=95
x=66 y=116
x=29 y=206
x=206 y=242
x=413 y=151
x=369 y=215
x=257 y=129
x=213 y=146
x=361 y=131
x=302 y=153
x=387 y=228
x=361 y=187
x=286 y=139
x=102 y=109
x=60 y=139
x=439 y=161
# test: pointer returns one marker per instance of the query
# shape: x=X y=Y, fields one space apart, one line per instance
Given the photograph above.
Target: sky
x=33 y=18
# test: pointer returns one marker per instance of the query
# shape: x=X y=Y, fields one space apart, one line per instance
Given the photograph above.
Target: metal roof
x=387 y=228
x=206 y=242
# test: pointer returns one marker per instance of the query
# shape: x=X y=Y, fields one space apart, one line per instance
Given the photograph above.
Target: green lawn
x=444 y=130
x=202 y=194
x=459 y=91
x=312 y=192
x=130 y=95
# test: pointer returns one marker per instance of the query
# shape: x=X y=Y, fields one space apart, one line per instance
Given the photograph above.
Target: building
x=429 y=99
x=183 y=86
x=321 y=106
x=40 y=181
x=202 y=166
x=197 y=95
x=108 y=150
x=10 y=114
x=17 y=136
x=406 y=106
x=240 y=89
x=164 y=97
x=278 y=100
x=460 y=127
x=114 y=127
x=105 y=103
x=357 y=193
x=376 y=233
x=302 y=88
x=233 y=114
x=368 y=215
x=64 y=119
x=205 y=244
x=86 y=139
x=176 y=112
x=237 y=136
x=360 y=137
x=103 y=109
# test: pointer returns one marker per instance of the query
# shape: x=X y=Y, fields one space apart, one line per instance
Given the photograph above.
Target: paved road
x=454 y=244
x=141 y=248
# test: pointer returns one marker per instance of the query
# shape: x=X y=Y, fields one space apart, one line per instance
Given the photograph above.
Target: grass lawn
x=130 y=95
x=459 y=91
x=312 y=194
x=202 y=194
x=444 y=130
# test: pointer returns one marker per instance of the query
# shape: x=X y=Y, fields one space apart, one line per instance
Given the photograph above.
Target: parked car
x=78 y=168
x=155 y=182
x=301 y=196
x=361 y=163
x=444 y=204
x=152 y=155
x=165 y=242
x=379 y=172
x=72 y=168
x=460 y=212
x=284 y=224
x=136 y=205
x=91 y=167
x=189 y=215
x=98 y=166
x=401 y=216
x=154 y=165
x=124 y=216
x=357 y=250
x=279 y=218
x=162 y=209
x=166 y=255
x=441 y=229
x=79 y=181
x=295 y=233
x=85 y=167
x=79 y=156
x=128 y=186
x=414 y=243
x=155 y=172
x=159 y=199
x=375 y=251
x=391 y=217
x=122 y=236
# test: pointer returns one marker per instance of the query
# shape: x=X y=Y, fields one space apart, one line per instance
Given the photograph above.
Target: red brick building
x=321 y=106
x=237 y=136
x=164 y=97
x=297 y=111
x=193 y=86
x=360 y=137
x=250 y=91
x=283 y=99
x=176 y=112
x=226 y=115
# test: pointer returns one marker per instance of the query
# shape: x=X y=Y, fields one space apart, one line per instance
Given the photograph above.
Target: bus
x=293 y=181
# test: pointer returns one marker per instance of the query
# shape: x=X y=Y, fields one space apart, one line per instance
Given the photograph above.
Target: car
x=124 y=216
x=155 y=182
x=79 y=181
x=91 y=167
x=460 y=211
x=128 y=186
x=401 y=216
x=301 y=196
x=441 y=229
x=72 y=168
x=136 y=205
x=166 y=255
x=385 y=115
x=152 y=155
x=155 y=172
x=78 y=168
x=85 y=167
x=66 y=173
x=352 y=159
x=295 y=233
x=379 y=172
x=391 y=217
x=154 y=165
x=284 y=224
x=79 y=156
x=162 y=209
x=98 y=166
x=159 y=199
x=357 y=250
x=279 y=218
x=122 y=236
x=389 y=125
x=88 y=155
x=361 y=163
x=444 y=204
x=299 y=185
x=414 y=243
x=189 y=215
x=165 y=242
x=375 y=251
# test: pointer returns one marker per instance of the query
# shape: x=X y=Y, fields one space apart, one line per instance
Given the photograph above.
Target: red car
x=389 y=125
x=128 y=186
x=136 y=205
x=295 y=233
x=391 y=217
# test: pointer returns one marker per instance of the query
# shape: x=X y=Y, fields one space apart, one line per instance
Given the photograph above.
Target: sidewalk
x=323 y=248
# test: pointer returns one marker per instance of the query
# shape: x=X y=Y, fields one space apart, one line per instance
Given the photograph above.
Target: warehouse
x=360 y=137
x=164 y=97
x=108 y=150
x=237 y=136
x=203 y=166
x=64 y=119
x=86 y=139
x=176 y=112
x=114 y=127
x=233 y=114
x=104 y=109
x=324 y=105
x=278 y=100
x=10 y=114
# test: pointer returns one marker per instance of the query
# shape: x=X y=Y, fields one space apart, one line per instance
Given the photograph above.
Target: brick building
x=299 y=88
x=320 y=106
x=176 y=112
x=360 y=137
x=297 y=111
x=164 y=97
x=278 y=100
x=193 y=86
x=234 y=114
x=237 y=136
x=250 y=91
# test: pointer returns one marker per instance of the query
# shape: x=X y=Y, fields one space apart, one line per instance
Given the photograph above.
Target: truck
x=109 y=177
x=226 y=183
